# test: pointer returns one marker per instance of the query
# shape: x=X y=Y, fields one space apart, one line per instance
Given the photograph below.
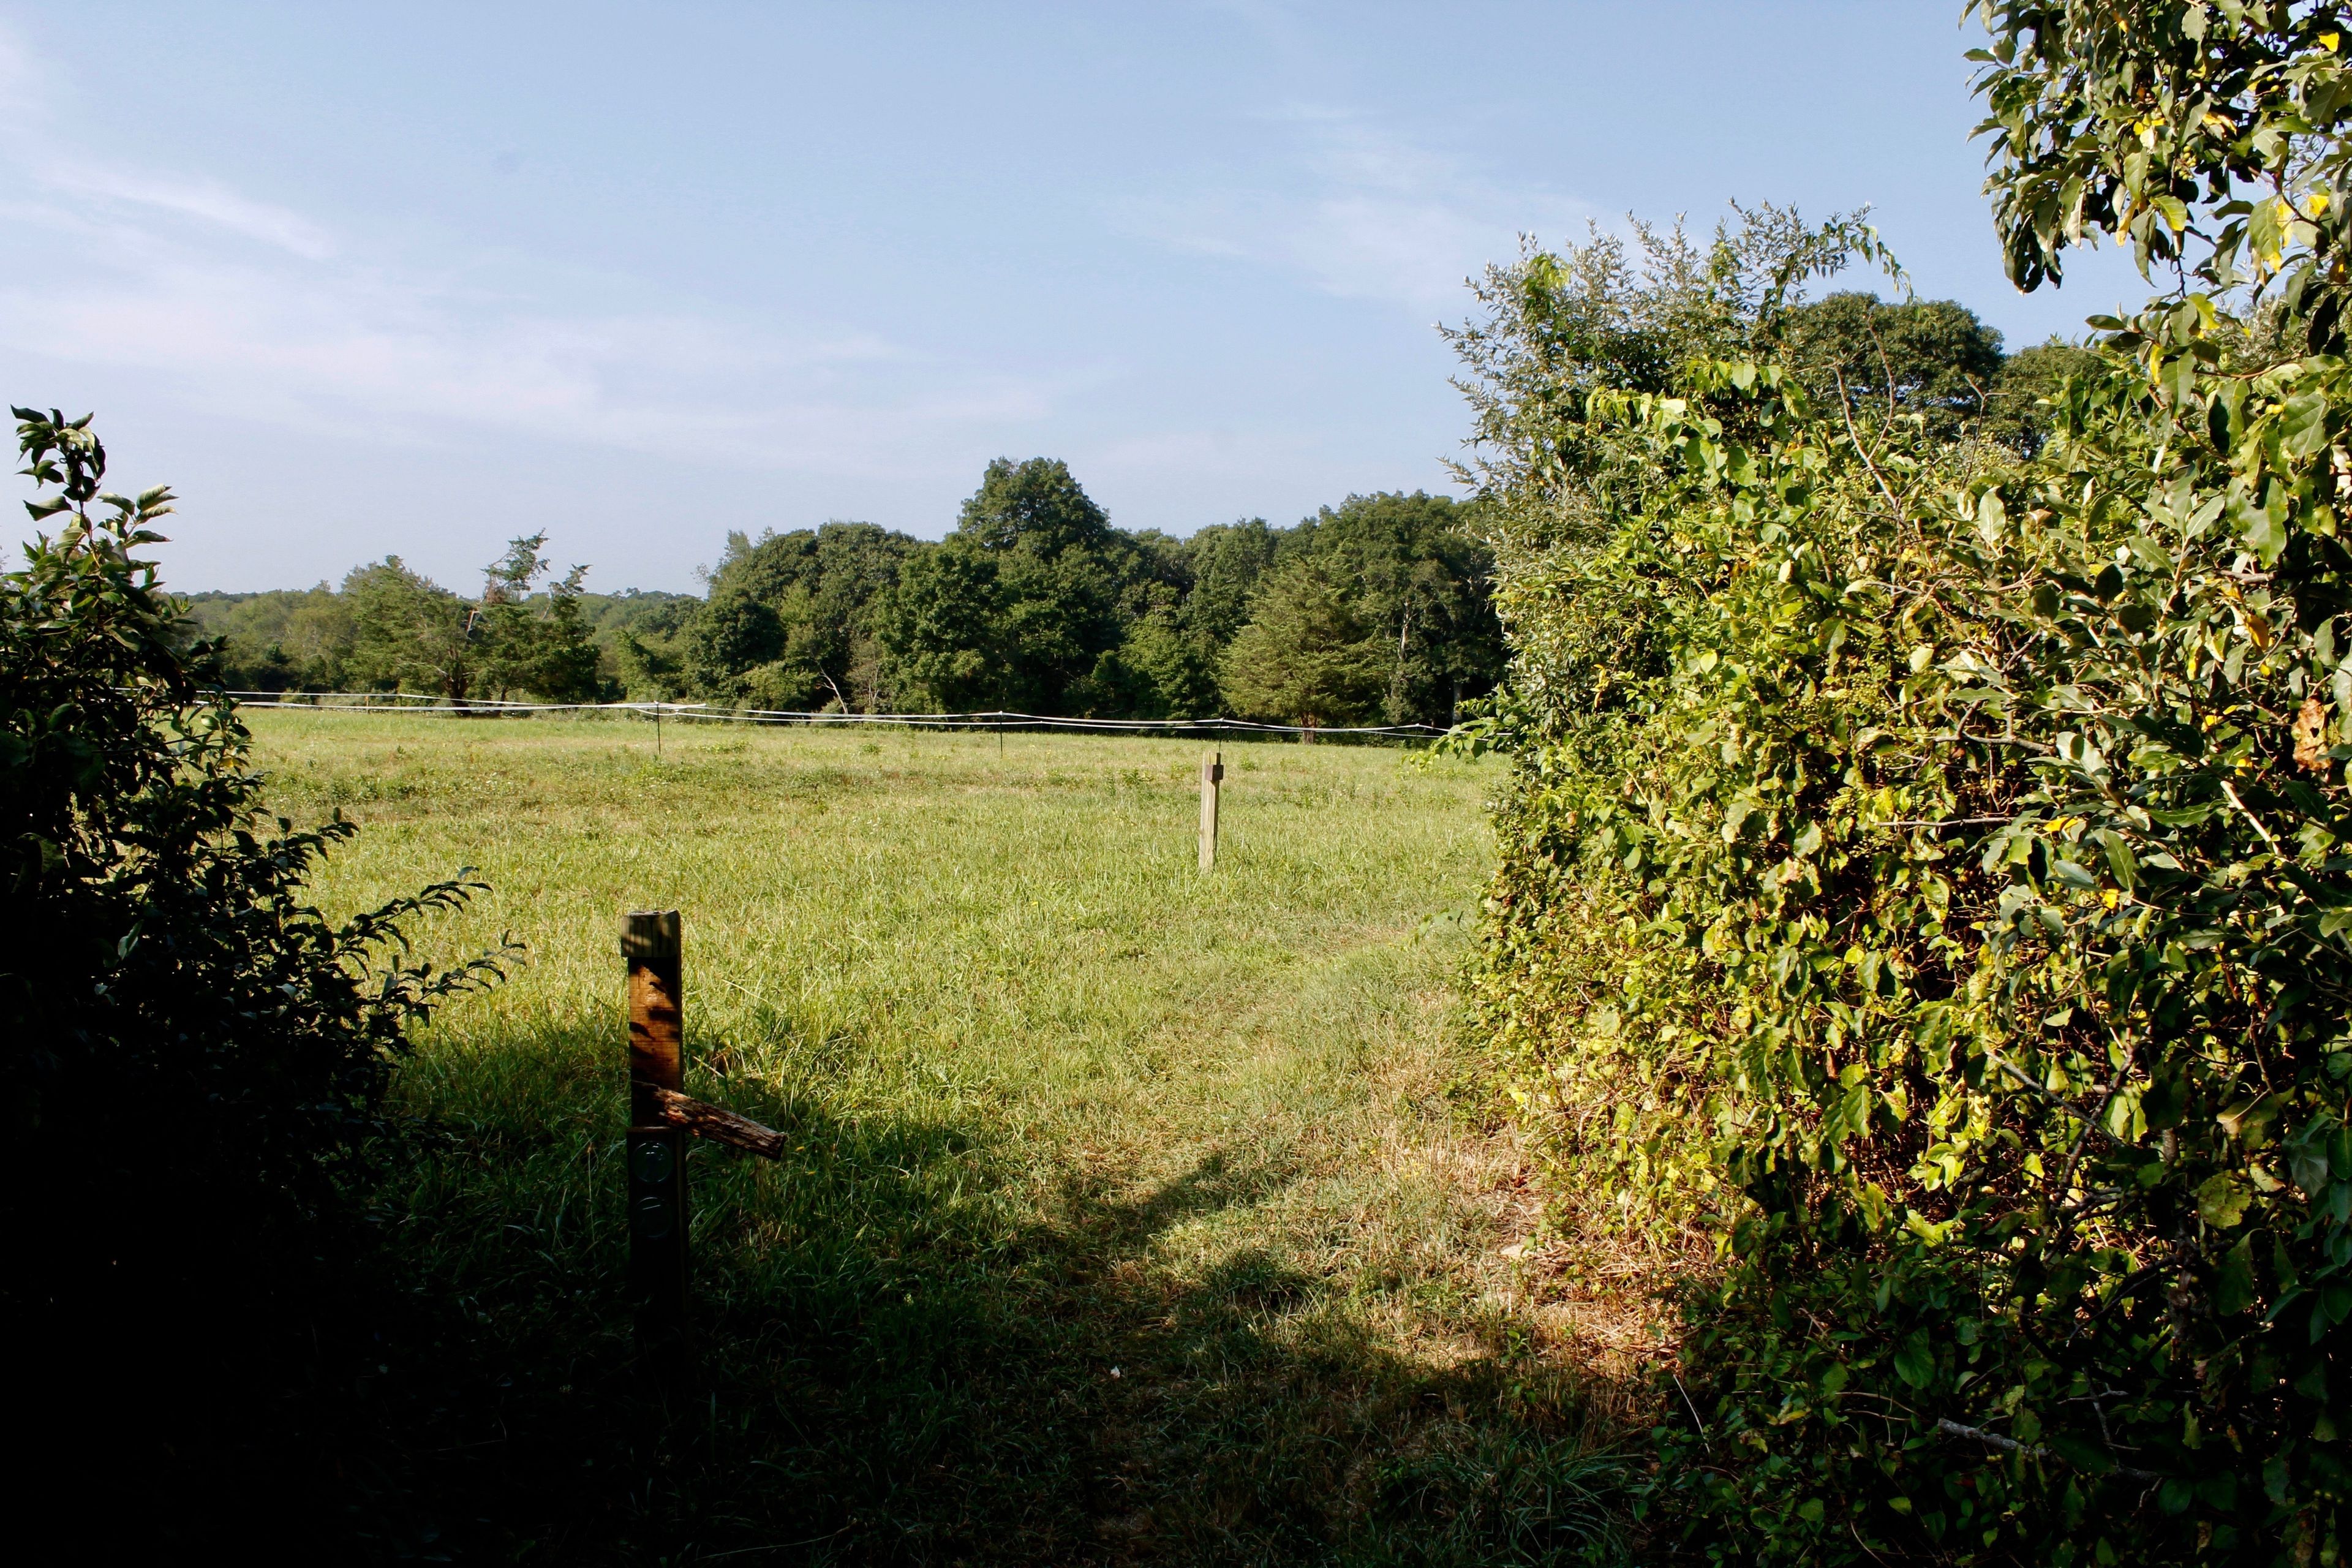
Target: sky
x=358 y=280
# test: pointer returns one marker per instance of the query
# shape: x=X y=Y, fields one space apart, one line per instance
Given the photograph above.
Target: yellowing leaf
x=1992 y=517
x=2221 y=1201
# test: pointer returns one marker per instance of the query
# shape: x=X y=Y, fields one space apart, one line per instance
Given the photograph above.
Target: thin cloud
x=351 y=352
x=206 y=201
x=1366 y=215
x=245 y=305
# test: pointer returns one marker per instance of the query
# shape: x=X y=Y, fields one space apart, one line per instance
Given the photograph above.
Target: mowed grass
x=1127 y=1218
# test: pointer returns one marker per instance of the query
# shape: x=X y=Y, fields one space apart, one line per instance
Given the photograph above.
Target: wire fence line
x=427 y=704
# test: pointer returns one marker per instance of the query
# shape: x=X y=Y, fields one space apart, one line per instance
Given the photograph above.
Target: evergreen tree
x=539 y=645
x=1420 y=581
x=1307 y=655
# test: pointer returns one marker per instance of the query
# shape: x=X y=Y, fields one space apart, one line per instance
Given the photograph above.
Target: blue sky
x=359 y=279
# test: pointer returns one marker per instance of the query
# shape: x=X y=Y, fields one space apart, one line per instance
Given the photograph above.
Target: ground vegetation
x=1126 y=1215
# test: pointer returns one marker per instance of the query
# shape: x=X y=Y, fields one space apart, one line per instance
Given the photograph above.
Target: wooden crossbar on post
x=1212 y=777
x=650 y=941
x=661 y=1115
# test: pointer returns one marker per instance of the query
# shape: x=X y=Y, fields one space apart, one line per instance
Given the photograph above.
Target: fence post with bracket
x=656 y=1145
x=661 y=1115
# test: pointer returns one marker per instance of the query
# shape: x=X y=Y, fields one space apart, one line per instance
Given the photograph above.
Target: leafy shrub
x=196 y=1058
x=1926 y=867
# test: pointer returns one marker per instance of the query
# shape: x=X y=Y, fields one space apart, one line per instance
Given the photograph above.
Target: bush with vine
x=1927 y=868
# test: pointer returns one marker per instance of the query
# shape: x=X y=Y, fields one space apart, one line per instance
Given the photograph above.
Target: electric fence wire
x=441 y=707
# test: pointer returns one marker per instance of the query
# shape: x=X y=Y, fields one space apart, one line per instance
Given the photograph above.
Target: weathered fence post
x=656 y=1144
x=1212 y=775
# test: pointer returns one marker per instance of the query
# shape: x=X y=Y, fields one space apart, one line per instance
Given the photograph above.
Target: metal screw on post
x=1212 y=776
x=656 y=1146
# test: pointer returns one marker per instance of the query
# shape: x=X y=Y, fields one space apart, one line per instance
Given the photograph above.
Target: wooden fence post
x=1212 y=775
x=656 y=1145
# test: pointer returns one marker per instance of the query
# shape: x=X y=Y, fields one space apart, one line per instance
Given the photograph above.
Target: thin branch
x=1884 y=362
x=2074 y=1156
x=1951 y=1429
x=1845 y=407
x=1998 y=741
x=2230 y=790
x=2090 y=1122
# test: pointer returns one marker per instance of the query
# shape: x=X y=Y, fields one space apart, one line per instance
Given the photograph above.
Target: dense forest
x=1375 y=611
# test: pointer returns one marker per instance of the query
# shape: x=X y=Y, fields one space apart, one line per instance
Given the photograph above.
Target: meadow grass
x=1127 y=1217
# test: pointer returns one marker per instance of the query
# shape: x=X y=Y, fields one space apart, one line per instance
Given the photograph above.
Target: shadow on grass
x=898 y=1363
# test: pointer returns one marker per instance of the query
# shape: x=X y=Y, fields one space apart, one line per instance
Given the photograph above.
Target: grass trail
x=1127 y=1219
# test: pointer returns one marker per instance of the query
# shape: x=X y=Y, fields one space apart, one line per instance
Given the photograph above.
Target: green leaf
x=2083 y=1453
x=2221 y=1201
x=2336 y=1299
x=1914 y=1362
x=2263 y=527
x=2234 y=1285
x=2119 y=859
x=2303 y=424
x=2307 y=1159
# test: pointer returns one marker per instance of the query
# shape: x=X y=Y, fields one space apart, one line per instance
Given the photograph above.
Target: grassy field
x=1127 y=1218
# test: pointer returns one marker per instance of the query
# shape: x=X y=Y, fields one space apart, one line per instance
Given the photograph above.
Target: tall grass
x=1126 y=1217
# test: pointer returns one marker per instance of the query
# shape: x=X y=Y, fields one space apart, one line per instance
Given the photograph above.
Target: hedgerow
x=1927 y=870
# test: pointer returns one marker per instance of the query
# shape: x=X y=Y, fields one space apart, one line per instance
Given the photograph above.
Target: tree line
x=388 y=627
x=1378 y=610
x=1375 y=611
